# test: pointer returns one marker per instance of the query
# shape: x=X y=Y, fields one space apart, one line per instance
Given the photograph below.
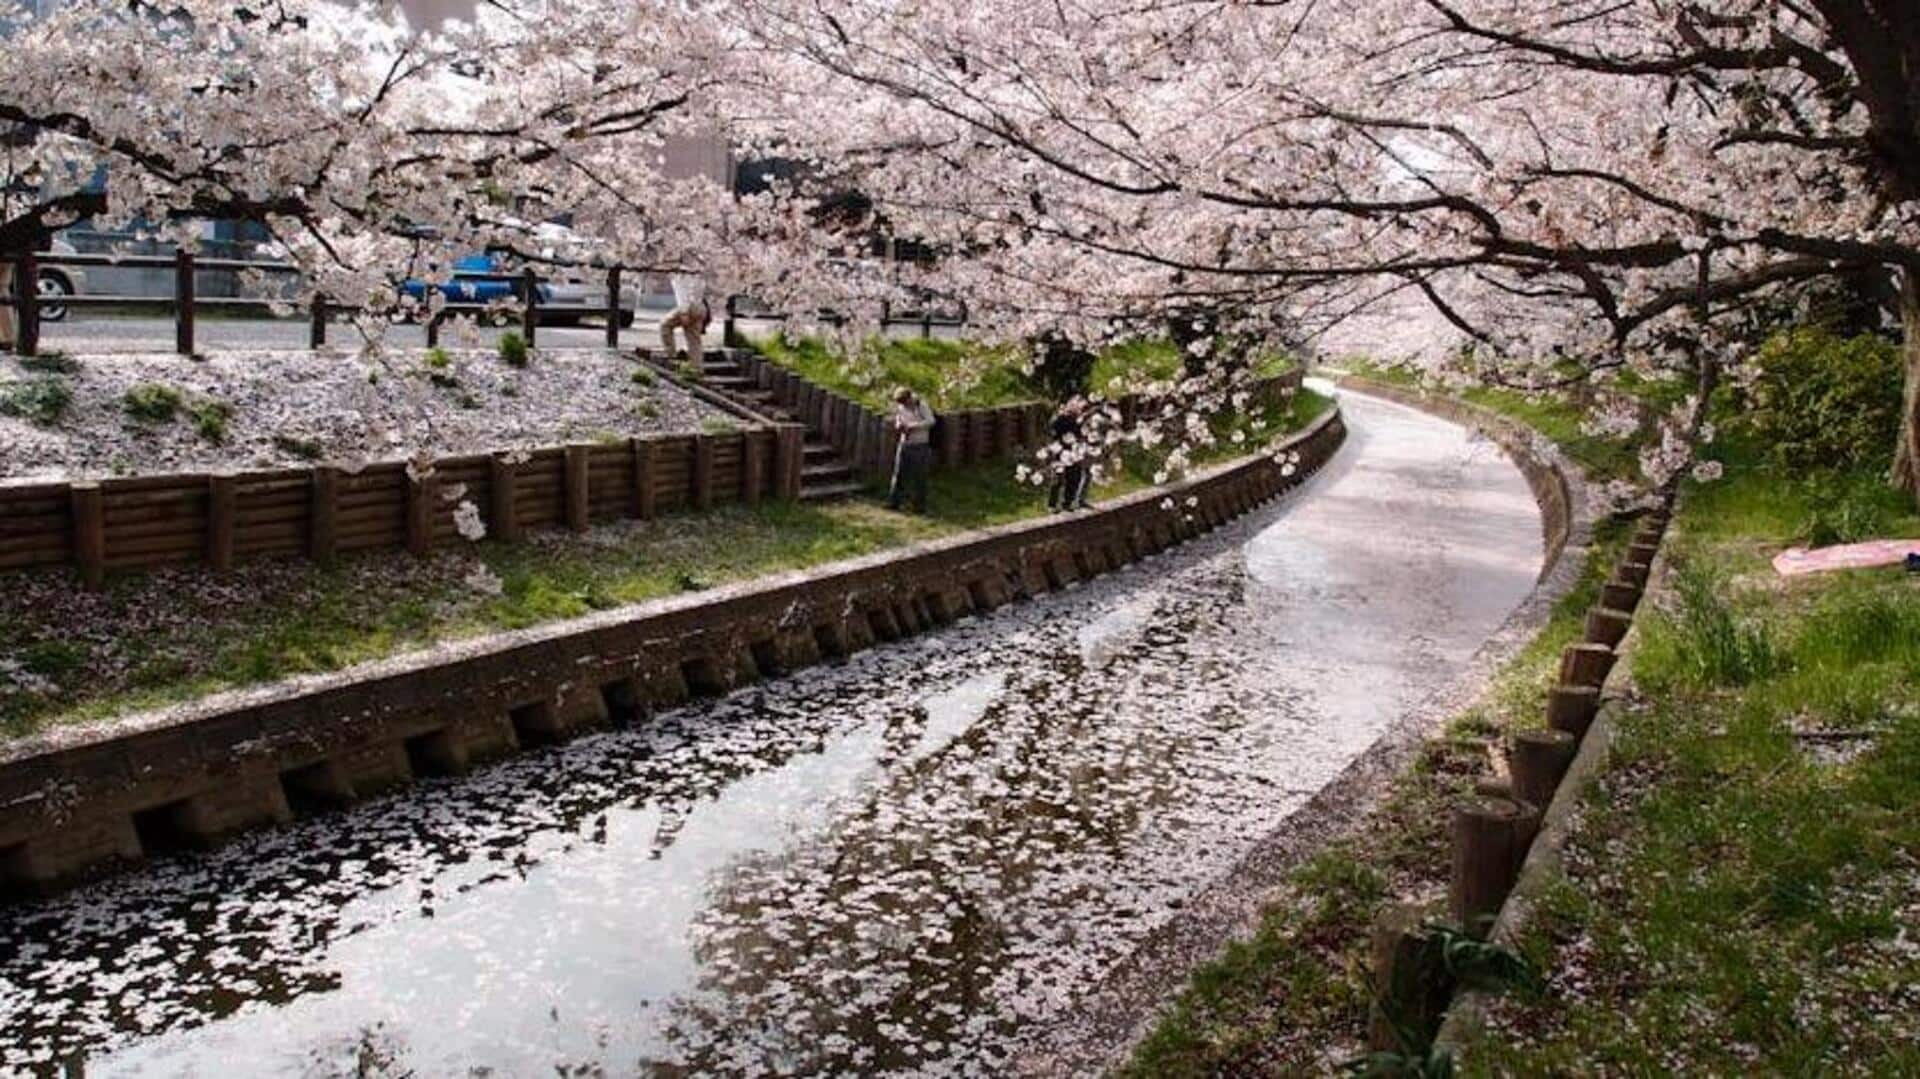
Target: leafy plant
x=1842 y=510
x=1703 y=642
x=1824 y=401
x=513 y=349
x=152 y=402
x=52 y=363
x=41 y=400
x=437 y=359
x=643 y=377
x=209 y=418
x=306 y=449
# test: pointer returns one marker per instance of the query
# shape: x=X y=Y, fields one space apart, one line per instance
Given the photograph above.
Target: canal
x=908 y=863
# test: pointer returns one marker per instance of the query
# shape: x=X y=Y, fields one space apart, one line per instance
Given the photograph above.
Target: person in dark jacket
x=913 y=421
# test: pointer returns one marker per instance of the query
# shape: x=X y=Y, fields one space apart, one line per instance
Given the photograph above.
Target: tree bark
x=1906 y=458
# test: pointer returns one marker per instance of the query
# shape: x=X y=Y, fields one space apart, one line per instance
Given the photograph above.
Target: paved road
x=904 y=864
x=89 y=333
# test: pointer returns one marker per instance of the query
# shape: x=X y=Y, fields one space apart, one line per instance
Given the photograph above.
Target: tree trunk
x=1906 y=458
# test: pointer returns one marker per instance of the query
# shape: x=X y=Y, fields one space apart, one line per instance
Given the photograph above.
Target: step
x=828 y=491
x=822 y=473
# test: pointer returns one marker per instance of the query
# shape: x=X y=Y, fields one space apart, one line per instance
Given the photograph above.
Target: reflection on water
x=905 y=863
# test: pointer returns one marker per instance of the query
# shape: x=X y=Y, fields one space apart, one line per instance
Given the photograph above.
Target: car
x=476 y=279
x=56 y=283
x=566 y=302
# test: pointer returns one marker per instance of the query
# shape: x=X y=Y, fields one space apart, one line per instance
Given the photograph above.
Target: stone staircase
x=824 y=473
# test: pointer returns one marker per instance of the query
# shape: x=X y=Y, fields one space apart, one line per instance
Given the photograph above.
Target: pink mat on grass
x=1798 y=560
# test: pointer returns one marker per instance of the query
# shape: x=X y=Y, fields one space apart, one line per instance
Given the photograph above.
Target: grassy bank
x=1293 y=997
x=1742 y=892
x=963 y=374
x=68 y=656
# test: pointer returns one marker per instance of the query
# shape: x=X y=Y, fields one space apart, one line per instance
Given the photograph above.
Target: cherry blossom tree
x=1573 y=187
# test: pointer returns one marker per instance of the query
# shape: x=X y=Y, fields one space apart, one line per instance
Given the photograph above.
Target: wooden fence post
x=530 y=310
x=1586 y=664
x=183 y=300
x=701 y=479
x=89 y=510
x=752 y=467
x=503 y=488
x=223 y=510
x=317 y=326
x=423 y=490
x=433 y=328
x=613 y=308
x=26 y=283
x=645 y=487
x=577 y=457
x=323 y=499
x=1490 y=838
x=788 y=454
x=1537 y=761
x=1572 y=708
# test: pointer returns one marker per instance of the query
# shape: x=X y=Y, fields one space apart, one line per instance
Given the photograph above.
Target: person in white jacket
x=690 y=315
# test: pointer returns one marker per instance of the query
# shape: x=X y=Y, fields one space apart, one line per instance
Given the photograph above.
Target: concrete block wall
x=76 y=802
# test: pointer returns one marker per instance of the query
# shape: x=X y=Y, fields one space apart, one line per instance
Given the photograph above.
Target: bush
x=306 y=449
x=52 y=363
x=513 y=349
x=1825 y=401
x=437 y=358
x=152 y=402
x=1849 y=508
x=210 y=418
x=39 y=401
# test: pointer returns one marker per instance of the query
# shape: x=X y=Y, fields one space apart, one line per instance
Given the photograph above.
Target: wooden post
x=1633 y=573
x=433 y=328
x=1643 y=552
x=752 y=466
x=323 y=498
x=530 y=308
x=613 y=308
x=317 y=325
x=503 y=487
x=1619 y=596
x=645 y=497
x=1607 y=627
x=26 y=283
x=788 y=453
x=949 y=432
x=422 y=492
x=89 y=510
x=1586 y=664
x=1537 y=761
x=1572 y=708
x=701 y=479
x=1488 y=847
x=183 y=298
x=730 y=326
x=577 y=457
x=1410 y=982
x=223 y=507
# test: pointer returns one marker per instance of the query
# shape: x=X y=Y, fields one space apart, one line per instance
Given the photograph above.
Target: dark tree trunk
x=1906 y=458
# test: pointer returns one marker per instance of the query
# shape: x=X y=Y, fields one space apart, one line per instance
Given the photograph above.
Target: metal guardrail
x=185 y=302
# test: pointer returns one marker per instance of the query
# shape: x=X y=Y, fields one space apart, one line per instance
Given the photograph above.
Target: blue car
x=476 y=279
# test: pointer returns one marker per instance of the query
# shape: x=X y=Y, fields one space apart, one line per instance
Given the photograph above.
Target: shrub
x=1848 y=508
x=152 y=402
x=1824 y=401
x=437 y=358
x=42 y=400
x=306 y=449
x=52 y=363
x=643 y=377
x=209 y=418
x=513 y=349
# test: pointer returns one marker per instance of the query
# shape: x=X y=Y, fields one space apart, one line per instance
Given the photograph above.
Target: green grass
x=960 y=374
x=1738 y=886
x=150 y=640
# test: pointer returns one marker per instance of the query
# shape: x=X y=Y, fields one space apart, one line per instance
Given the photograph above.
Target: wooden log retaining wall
x=78 y=800
x=324 y=510
x=961 y=436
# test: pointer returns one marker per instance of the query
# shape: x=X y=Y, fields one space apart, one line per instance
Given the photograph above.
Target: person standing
x=1069 y=489
x=913 y=421
x=690 y=315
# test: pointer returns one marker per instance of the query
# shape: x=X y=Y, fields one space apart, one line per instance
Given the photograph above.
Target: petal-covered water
x=906 y=863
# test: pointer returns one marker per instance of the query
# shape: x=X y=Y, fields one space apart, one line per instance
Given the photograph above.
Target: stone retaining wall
x=75 y=801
